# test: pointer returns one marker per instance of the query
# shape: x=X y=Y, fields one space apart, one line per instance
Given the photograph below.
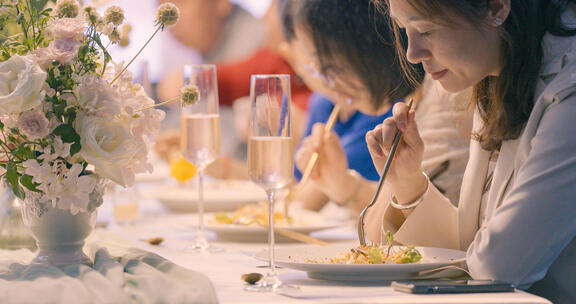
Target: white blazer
x=524 y=230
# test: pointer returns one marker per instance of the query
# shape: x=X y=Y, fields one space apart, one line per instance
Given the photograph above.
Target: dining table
x=225 y=268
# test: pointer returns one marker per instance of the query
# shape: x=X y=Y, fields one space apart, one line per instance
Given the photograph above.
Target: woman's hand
x=405 y=177
x=330 y=175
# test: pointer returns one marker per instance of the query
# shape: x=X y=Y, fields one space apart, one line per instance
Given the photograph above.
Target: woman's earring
x=497 y=21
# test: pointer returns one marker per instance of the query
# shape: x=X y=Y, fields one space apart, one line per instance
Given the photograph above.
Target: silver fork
x=397 y=137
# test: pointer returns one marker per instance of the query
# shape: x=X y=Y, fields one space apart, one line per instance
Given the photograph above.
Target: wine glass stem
x=200 y=235
x=272 y=264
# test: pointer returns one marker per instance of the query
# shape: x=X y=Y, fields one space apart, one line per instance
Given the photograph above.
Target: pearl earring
x=498 y=21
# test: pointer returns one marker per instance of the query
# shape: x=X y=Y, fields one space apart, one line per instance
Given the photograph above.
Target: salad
x=375 y=254
x=255 y=214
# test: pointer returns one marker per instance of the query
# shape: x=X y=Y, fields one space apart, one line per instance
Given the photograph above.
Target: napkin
x=128 y=276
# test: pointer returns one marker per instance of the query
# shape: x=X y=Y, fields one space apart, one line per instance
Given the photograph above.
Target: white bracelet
x=413 y=204
x=354 y=195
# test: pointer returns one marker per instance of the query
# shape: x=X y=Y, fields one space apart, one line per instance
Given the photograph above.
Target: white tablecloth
x=225 y=269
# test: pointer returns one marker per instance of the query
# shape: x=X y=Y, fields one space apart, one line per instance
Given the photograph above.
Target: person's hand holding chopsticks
x=330 y=175
x=405 y=178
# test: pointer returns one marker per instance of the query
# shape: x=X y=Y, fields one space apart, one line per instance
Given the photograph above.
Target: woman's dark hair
x=505 y=101
x=350 y=35
x=286 y=12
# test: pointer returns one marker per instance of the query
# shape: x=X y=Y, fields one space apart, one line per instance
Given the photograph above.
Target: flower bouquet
x=70 y=117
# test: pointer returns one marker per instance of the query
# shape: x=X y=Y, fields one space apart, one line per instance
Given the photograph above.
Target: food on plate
x=254 y=214
x=375 y=254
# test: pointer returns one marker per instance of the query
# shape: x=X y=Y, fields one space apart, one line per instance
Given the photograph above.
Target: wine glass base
x=202 y=245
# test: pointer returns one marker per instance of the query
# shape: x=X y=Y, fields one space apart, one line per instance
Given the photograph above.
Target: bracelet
x=413 y=204
x=354 y=195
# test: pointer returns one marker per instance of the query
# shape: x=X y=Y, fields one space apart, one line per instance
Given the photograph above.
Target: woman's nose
x=416 y=52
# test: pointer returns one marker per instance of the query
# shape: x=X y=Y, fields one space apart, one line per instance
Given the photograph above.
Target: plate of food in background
x=250 y=223
x=219 y=195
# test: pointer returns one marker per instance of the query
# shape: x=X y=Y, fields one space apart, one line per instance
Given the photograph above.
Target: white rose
x=109 y=146
x=95 y=95
x=21 y=80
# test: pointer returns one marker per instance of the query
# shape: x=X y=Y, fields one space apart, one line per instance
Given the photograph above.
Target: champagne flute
x=270 y=153
x=200 y=139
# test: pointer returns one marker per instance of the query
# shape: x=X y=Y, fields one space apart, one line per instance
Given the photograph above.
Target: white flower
x=167 y=14
x=34 y=125
x=59 y=149
x=67 y=8
x=9 y=120
x=108 y=145
x=72 y=191
x=95 y=96
x=63 y=187
x=50 y=92
x=145 y=123
x=67 y=28
x=114 y=15
x=21 y=80
x=41 y=173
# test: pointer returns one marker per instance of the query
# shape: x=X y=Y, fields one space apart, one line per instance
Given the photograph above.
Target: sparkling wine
x=200 y=138
x=271 y=161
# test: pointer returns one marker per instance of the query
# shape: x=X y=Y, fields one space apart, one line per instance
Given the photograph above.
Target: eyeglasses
x=312 y=67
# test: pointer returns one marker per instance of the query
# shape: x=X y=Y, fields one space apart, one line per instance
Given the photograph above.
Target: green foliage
x=69 y=135
x=26 y=181
x=12 y=178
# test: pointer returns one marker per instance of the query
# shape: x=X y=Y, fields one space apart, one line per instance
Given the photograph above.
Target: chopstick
x=311 y=162
x=314 y=158
x=295 y=235
x=397 y=137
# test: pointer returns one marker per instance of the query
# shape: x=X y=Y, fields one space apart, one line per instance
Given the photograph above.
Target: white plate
x=307 y=222
x=218 y=196
x=295 y=258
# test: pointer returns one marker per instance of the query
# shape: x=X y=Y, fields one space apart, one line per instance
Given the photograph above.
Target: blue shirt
x=352 y=134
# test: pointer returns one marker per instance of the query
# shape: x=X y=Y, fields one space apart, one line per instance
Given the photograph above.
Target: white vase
x=59 y=234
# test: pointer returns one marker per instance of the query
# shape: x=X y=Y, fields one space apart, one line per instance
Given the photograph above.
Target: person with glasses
x=344 y=50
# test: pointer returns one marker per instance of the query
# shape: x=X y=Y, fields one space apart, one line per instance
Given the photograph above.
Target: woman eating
x=516 y=215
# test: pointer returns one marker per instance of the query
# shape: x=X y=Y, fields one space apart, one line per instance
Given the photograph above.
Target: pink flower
x=64 y=50
x=61 y=50
x=67 y=28
x=34 y=125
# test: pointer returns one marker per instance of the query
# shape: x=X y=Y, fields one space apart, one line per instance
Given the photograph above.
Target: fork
x=397 y=137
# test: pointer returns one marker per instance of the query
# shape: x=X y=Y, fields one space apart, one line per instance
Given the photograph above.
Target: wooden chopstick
x=298 y=236
x=311 y=163
x=314 y=158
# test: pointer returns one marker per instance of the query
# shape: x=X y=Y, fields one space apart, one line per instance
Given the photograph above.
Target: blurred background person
x=234 y=88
